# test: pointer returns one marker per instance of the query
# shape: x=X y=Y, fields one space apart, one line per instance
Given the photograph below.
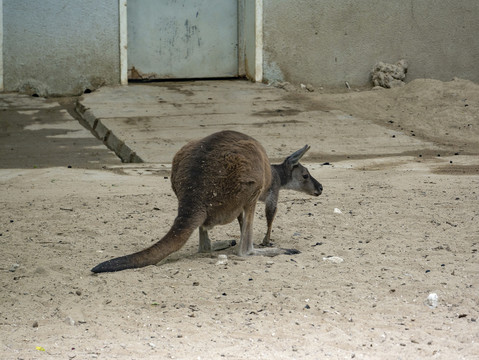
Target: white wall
x=329 y=42
x=62 y=47
x=59 y=47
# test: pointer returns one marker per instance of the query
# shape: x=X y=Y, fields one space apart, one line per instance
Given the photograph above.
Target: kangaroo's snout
x=318 y=188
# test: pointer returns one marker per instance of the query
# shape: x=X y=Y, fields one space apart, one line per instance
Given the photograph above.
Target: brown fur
x=216 y=179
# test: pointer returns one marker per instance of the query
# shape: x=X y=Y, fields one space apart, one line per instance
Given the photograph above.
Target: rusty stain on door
x=182 y=39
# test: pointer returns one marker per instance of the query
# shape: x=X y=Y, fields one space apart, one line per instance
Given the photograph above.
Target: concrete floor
x=150 y=122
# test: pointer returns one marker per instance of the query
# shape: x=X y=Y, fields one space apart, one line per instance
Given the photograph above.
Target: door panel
x=182 y=39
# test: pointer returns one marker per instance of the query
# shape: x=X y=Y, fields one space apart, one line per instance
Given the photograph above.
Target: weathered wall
x=329 y=42
x=54 y=47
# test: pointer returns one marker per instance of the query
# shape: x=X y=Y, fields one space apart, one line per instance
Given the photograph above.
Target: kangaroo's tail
x=179 y=233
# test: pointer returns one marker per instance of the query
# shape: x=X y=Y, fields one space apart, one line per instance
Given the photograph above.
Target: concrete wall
x=328 y=42
x=53 y=47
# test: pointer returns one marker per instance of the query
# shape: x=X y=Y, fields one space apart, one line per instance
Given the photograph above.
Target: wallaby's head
x=299 y=177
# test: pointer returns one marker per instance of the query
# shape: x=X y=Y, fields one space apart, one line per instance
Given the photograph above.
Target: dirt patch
x=273 y=123
x=445 y=113
x=388 y=232
x=277 y=112
x=458 y=170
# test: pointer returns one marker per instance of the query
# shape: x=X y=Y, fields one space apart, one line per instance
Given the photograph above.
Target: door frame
x=123 y=25
x=1 y=45
x=250 y=40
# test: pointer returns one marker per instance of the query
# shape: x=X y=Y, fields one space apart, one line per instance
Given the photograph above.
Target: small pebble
x=35 y=324
x=333 y=259
x=432 y=300
x=14 y=267
x=222 y=260
x=68 y=320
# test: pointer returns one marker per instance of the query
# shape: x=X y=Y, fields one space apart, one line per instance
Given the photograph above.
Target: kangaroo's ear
x=294 y=158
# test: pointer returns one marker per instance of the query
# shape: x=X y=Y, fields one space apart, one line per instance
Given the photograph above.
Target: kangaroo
x=219 y=179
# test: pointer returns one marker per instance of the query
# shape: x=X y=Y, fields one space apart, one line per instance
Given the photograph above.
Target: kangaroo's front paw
x=268 y=244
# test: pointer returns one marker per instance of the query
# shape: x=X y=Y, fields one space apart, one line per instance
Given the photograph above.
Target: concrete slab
x=39 y=133
x=150 y=122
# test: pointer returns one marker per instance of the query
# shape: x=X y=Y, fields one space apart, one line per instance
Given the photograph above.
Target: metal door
x=182 y=39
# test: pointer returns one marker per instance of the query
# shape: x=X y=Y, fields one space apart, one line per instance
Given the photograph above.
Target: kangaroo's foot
x=267 y=242
x=222 y=244
x=274 y=252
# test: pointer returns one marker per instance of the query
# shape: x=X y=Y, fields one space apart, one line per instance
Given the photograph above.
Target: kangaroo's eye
x=305 y=176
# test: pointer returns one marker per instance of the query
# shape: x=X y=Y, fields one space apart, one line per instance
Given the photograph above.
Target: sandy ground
x=407 y=227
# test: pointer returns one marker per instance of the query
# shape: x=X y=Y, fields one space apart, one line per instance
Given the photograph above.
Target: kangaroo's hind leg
x=206 y=245
x=246 y=243
x=246 y=223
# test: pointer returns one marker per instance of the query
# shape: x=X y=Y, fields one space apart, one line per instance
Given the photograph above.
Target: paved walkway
x=150 y=122
x=39 y=133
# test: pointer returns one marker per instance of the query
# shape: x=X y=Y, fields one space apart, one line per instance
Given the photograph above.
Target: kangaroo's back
x=216 y=179
x=221 y=172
